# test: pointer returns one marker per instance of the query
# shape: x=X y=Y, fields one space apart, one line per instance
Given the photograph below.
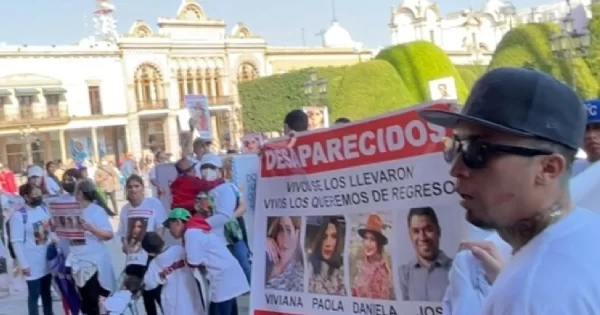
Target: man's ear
x=553 y=166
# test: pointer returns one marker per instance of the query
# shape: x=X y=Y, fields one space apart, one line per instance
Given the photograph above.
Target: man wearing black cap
x=515 y=142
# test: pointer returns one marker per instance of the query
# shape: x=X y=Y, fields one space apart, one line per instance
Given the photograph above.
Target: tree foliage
x=529 y=46
x=593 y=58
x=470 y=73
x=420 y=62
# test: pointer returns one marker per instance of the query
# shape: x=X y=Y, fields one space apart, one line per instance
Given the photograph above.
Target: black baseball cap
x=523 y=102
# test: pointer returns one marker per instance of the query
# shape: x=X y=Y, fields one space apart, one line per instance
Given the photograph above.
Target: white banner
x=360 y=218
x=242 y=170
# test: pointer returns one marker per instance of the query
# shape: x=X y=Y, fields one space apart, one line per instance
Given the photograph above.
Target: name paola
x=332 y=305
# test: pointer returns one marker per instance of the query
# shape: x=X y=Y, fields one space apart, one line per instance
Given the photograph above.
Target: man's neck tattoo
x=523 y=231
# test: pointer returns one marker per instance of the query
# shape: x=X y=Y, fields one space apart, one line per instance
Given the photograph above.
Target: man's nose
x=458 y=168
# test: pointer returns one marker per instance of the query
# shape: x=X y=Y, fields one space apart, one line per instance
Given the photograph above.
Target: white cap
x=34 y=171
x=212 y=159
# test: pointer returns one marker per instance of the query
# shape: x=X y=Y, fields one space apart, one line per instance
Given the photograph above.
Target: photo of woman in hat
x=371 y=275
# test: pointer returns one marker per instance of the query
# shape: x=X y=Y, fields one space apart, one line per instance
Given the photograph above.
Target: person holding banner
x=512 y=170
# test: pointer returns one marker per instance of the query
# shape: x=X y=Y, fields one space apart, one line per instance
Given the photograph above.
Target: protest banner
x=197 y=105
x=251 y=143
x=67 y=221
x=349 y=215
x=165 y=175
x=242 y=170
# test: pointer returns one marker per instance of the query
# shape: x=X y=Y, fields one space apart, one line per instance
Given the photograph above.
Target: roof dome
x=337 y=36
x=493 y=6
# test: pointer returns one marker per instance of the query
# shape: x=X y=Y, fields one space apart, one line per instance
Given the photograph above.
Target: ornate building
x=470 y=36
x=116 y=93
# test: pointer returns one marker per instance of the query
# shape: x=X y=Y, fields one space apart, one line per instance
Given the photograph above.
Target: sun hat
x=375 y=226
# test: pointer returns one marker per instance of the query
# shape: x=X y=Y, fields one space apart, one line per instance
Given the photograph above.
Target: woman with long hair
x=140 y=215
x=285 y=267
x=325 y=263
x=89 y=259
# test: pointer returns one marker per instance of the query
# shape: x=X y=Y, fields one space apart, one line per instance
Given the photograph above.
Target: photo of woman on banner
x=325 y=252
x=285 y=264
x=251 y=143
x=316 y=117
x=372 y=273
x=136 y=230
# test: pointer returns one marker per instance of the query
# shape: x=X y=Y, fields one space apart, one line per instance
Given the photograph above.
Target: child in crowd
x=186 y=186
x=179 y=294
x=118 y=303
x=207 y=251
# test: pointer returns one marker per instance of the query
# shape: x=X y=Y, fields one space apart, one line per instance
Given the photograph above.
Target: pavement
x=16 y=303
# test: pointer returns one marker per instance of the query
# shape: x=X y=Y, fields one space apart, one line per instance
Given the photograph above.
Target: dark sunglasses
x=476 y=153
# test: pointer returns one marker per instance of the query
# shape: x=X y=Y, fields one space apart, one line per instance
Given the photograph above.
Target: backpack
x=25 y=217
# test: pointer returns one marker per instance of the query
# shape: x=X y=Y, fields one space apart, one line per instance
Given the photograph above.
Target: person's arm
x=196 y=243
x=100 y=225
x=153 y=277
x=160 y=216
x=225 y=202
x=152 y=176
x=241 y=208
x=17 y=238
x=461 y=294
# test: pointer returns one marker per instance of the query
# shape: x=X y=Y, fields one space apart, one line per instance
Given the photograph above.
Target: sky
x=280 y=22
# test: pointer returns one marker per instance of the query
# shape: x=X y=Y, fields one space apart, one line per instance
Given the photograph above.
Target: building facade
x=470 y=36
x=124 y=93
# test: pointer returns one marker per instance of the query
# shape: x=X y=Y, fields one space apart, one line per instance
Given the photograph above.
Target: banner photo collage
x=357 y=219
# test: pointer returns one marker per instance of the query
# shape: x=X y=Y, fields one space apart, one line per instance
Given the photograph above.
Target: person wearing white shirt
x=468 y=284
x=139 y=216
x=206 y=251
x=51 y=181
x=90 y=262
x=30 y=238
x=160 y=158
x=512 y=171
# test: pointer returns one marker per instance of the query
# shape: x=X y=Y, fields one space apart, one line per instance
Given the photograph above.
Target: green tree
x=529 y=46
x=470 y=73
x=593 y=58
x=420 y=62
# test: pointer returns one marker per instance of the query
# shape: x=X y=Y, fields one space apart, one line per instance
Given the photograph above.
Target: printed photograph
x=317 y=117
x=324 y=248
x=443 y=89
x=41 y=229
x=69 y=222
x=251 y=143
x=228 y=168
x=427 y=241
x=136 y=229
x=284 y=261
x=370 y=260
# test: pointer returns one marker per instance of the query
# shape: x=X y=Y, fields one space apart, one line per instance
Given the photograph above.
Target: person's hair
x=423 y=211
x=152 y=243
x=199 y=143
x=134 y=178
x=90 y=193
x=26 y=189
x=296 y=120
x=336 y=260
x=132 y=283
x=568 y=154
x=70 y=178
x=342 y=120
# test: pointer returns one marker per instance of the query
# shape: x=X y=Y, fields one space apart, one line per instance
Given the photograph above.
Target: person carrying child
x=180 y=292
x=206 y=251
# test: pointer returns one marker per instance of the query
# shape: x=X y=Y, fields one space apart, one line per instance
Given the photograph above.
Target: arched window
x=148 y=86
x=247 y=71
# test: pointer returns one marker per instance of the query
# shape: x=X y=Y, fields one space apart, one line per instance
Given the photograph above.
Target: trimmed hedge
x=265 y=101
x=420 y=62
x=529 y=46
x=470 y=73
x=355 y=92
x=367 y=89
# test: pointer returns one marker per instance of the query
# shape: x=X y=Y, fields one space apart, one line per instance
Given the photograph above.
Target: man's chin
x=482 y=224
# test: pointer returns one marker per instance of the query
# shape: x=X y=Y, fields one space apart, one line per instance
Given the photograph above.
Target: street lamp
x=27 y=134
x=315 y=89
x=570 y=43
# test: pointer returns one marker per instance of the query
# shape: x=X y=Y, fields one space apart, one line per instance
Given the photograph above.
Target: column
x=213 y=86
x=195 y=83
x=140 y=90
x=153 y=95
x=171 y=130
x=63 y=145
x=134 y=138
x=3 y=156
x=203 y=78
x=47 y=145
x=185 y=81
x=131 y=99
x=172 y=92
x=95 y=153
x=28 y=150
x=225 y=83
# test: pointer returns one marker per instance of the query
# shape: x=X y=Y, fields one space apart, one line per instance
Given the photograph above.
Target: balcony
x=214 y=101
x=21 y=115
x=152 y=105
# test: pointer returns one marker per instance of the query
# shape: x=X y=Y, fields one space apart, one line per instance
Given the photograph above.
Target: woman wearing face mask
x=35 y=176
x=90 y=262
x=30 y=238
x=140 y=215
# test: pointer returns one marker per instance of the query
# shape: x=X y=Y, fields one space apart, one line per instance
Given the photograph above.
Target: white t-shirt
x=135 y=222
x=223 y=270
x=179 y=294
x=34 y=237
x=225 y=197
x=555 y=273
x=52 y=186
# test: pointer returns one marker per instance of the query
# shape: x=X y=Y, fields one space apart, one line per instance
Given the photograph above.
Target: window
x=25 y=100
x=95 y=101
x=25 y=108
x=52 y=100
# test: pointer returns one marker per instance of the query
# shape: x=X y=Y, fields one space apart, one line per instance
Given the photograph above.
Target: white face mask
x=210 y=174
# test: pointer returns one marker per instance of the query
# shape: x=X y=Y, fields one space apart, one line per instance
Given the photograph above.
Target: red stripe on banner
x=396 y=136
x=263 y=312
